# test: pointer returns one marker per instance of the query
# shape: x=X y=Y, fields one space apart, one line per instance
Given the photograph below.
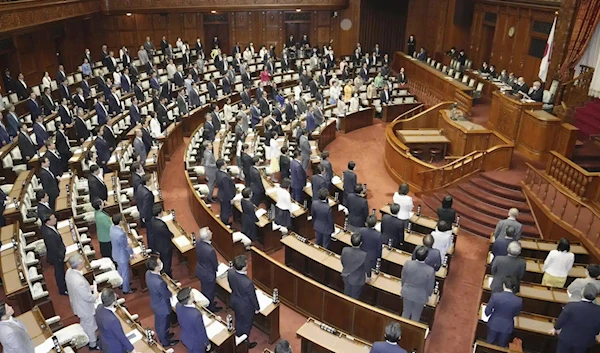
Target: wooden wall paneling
x=347 y=38
x=455 y=35
x=383 y=23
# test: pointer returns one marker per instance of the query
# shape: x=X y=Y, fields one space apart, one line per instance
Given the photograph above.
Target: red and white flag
x=545 y=64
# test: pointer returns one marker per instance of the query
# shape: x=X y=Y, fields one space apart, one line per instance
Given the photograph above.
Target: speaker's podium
x=530 y=128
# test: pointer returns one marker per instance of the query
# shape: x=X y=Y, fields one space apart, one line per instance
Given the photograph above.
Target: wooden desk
x=267 y=236
x=506 y=115
x=481 y=346
x=172 y=139
x=539 y=249
x=316 y=340
x=425 y=142
x=37 y=327
x=390 y=112
x=128 y=324
x=357 y=120
x=538 y=134
x=299 y=213
x=11 y=213
x=313 y=299
x=421 y=224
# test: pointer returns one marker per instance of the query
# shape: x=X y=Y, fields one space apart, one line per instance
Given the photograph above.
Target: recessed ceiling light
x=213 y=11
x=128 y=14
x=298 y=10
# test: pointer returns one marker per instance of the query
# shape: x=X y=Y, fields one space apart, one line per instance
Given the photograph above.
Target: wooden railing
x=578 y=181
x=411 y=113
x=569 y=215
x=573 y=94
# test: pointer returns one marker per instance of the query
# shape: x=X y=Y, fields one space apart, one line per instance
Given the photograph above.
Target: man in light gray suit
x=305 y=150
x=139 y=147
x=418 y=281
x=182 y=103
x=318 y=114
x=13 y=333
x=143 y=56
x=210 y=168
x=121 y=251
x=302 y=106
x=500 y=230
x=242 y=115
x=509 y=265
x=82 y=297
x=355 y=267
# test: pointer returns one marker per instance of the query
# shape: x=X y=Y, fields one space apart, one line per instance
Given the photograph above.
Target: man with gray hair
x=500 y=230
x=283 y=346
x=111 y=333
x=509 y=265
x=82 y=297
x=579 y=323
x=206 y=267
x=537 y=92
x=392 y=336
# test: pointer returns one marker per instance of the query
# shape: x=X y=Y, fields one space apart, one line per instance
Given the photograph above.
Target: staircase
x=587 y=155
x=484 y=200
x=587 y=118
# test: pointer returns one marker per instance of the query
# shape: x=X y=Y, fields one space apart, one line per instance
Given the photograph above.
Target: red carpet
x=587 y=118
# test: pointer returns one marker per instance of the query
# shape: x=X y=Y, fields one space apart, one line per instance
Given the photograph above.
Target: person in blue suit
x=135 y=115
x=372 y=241
x=160 y=300
x=249 y=218
x=254 y=114
x=579 y=323
x=101 y=111
x=322 y=217
x=112 y=337
x=311 y=124
x=392 y=227
x=4 y=136
x=13 y=125
x=226 y=191
x=193 y=332
x=162 y=237
x=102 y=150
x=121 y=251
x=358 y=208
x=243 y=297
x=318 y=181
x=392 y=338
x=41 y=134
x=206 y=267
x=502 y=308
x=34 y=107
x=500 y=246
x=256 y=183
x=114 y=103
x=298 y=175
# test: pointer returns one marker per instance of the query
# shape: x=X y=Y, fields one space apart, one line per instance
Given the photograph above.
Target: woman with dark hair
x=446 y=212
x=404 y=201
x=557 y=265
x=283 y=207
x=442 y=236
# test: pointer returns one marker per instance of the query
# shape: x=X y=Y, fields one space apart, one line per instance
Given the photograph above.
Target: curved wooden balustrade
x=483 y=150
x=559 y=213
x=573 y=94
x=581 y=183
x=409 y=114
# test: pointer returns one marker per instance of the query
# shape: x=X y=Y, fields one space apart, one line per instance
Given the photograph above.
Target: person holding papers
x=502 y=308
x=243 y=298
x=322 y=217
x=160 y=301
x=112 y=337
x=206 y=269
x=193 y=332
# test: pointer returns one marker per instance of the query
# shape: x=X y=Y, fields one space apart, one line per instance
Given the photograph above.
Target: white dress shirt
x=559 y=263
x=406 y=205
x=284 y=200
x=442 y=241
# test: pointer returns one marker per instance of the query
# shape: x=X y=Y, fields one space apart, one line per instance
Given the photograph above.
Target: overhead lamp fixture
x=298 y=10
x=128 y=14
x=213 y=11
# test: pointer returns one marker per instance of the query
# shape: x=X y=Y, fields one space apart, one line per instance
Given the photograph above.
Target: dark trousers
x=59 y=274
x=298 y=195
x=52 y=201
x=106 y=249
x=567 y=348
x=352 y=290
x=161 y=326
x=243 y=321
x=166 y=256
x=323 y=239
x=257 y=197
x=498 y=338
x=226 y=211
x=208 y=288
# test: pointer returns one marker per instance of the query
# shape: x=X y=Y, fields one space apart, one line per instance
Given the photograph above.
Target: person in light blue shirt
x=86 y=68
x=121 y=251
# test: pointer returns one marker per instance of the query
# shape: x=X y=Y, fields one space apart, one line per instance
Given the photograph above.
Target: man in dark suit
x=243 y=299
x=162 y=238
x=263 y=103
x=364 y=72
x=318 y=181
x=537 y=92
x=80 y=126
x=402 y=79
x=144 y=199
x=226 y=191
x=509 y=265
x=4 y=136
x=26 y=145
x=63 y=91
x=314 y=88
x=521 y=86
x=193 y=332
x=39 y=129
x=206 y=267
x=34 y=107
x=137 y=172
x=20 y=87
x=56 y=166
x=349 y=181
x=358 y=209
x=101 y=112
x=138 y=90
x=579 y=323
x=102 y=149
x=135 y=115
x=284 y=164
x=49 y=181
x=502 y=308
x=110 y=331
x=85 y=87
x=392 y=228
x=178 y=78
x=418 y=282
x=47 y=103
x=43 y=208
x=125 y=81
x=298 y=175
x=371 y=241
x=3 y=201
x=249 y=218
x=154 y=83
x=322 y=218
x=256 y=184
x=13 y=125
x=96 y=185
x=254 y=114
x=212 y=89
x=55 y=251
x=246 y=163
x=64 y=112
x=355 y=267
x=392 y=339
x=385 y=96
x=114 y=102
x=500 y=246
x=226 y=84
x=160 y=300
x=433 y=258
x=245 y=96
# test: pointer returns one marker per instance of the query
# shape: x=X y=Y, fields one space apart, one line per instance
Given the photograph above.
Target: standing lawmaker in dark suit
x=226 y=191
x=206 y=267
x=110 y=331
x=579 y=323
x=162 y=238
x=43 y=208
x=55 y=251
x=41 y=134
x=53 y=156
x=49 y=182
x=249 y=218
x=26 y=145
x=502 y=308
x=298 y=174
x=509 y=265
x=160 y=300
x=256 y=184
x=349 y=181
x=322 y=217
x=500 y=246
x=392 y=228
x=102 y=149
x=434 y=258
x=80 y=126
x=418 y=281
x=371 y=241
x=144 y=199
x=318 y=181
x=355 y=267
x=193 y=332
x=96 y=185
x=34 y=107
x=358 y=208
x=392 y=338
x=243 y=297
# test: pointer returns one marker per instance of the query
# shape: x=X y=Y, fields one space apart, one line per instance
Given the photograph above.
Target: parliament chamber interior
x=344 y=176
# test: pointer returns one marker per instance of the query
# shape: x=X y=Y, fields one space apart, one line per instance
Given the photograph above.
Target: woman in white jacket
x=443 y=239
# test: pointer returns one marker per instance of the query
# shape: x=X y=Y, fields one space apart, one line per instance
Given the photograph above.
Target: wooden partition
x=581 y=183
x=323 y=303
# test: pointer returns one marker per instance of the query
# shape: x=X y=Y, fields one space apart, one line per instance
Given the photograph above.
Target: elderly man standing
x=206 y=267
x=509 y=265
x=500 y=230
x=82 y=297
x=121 y=251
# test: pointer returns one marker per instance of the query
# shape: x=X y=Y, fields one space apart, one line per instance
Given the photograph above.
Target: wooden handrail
x=583 y=184
x=456 y=161
x=429 y=110
x=411 y=112
x=589 y=72
x=573 y=94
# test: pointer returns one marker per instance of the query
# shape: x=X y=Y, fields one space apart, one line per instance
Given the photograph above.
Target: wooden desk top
x=535 y=291
x=270 y=191
x=542 y=115
x=339 y=342
x=458 y=84
x=421 y=220
x=181 y=239
x=410 y=139
x=10 y=274
x=419 y=132
x=36 y=326
x=129 y=326
x=546 y=245
x=7 y=232
x=263 y=220
x=16 y=191
x=536 y=266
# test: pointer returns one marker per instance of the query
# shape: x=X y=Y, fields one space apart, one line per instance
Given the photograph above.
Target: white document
x=336 y=180
x=6 y=246
x=9 y=205
x=275 y=226
x=45 y=346
x=207 y=320
x=222 y=269
x=378 y=227
x=137 y=250
x=134 y=336
x=331 y=202
x=62 y=224
x=111 y=192
x=71 y=248
x=260 y=212
x=182 y=241
x=490 y=279
x=174 y=301
x=484 y=317
x=214 y=329
x=295 y=207
x=263 y=299
x=65 y=176
x=77 y=150
x=155 y=192
x=237 y=197
x=491 y=256
x=167 y=218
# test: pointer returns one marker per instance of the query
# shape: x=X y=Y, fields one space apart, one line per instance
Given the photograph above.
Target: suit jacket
x=41 y=134
x=579 y=323
x=21 y=90
x=314 y=88
x=182 y=105
x=254 y=116
x=80 y=294
x=194 y=98
x=311 y=123
x=112 y=337
x=246 y=164
x=349 y=181
x=13 y=125
x=85 y=86
x=386 y=347
x=504 y=266
x=125 y=83
x=500 y=230
x=65 y=115
x=28 y=149
x=355 y=265
x=140 y=149
x=139 y=93
x=358 y=210
x=4 y=136
x=372 y=245
x=212 y=90
x=160 y=295
x=226 y=185
x=147 y=138
x=392 y=228
x=136 y=180
x=206 y=262
x=81 y=129
x=305 y=150
x=144 y=200
x=298 y=174
x=500 y=246
x=243 y=292
x=55 y=247
x=55 y=163
x=317 y=182
x=121 y=251
x=63 y=146
x=14 y=337
x=193 y=332
x=249 y=219
x=503 y=307
x=135 y=115
x=537 y=95
x=210 y=164
x=47 y=102
x=103 y=151
x=385 y=99
x=64 y=92
x=114 y=105
x=162 y=235
x=418 y=281
x=178 y=79
x=256 y=183
x=43 y=210
x=322 y=217
x=49 y=183
x=263 y=104
x=97 y=189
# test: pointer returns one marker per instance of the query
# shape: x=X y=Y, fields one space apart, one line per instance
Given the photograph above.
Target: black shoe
x=131 y=290
x=172 y=343
x=252 y=345
x=216 y=309
x=170 y=335
x=96 y=348
x=65 y=293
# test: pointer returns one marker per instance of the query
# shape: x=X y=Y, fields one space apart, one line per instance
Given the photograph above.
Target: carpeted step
x=507 y=179
x=492 y=188
x=467 y=224
x=493 y=199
